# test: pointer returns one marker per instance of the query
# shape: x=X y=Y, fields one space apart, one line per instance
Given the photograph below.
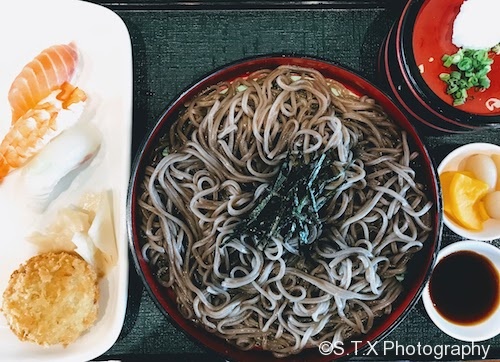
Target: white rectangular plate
x=26 y=28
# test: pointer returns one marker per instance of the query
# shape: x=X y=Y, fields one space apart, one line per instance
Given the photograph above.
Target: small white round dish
x=491 y=227
x=481 y=331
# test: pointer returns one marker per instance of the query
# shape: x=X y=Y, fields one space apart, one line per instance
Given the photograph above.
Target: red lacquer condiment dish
x=412 y=59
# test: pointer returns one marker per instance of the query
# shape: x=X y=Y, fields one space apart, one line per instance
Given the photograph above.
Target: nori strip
x=290 y=209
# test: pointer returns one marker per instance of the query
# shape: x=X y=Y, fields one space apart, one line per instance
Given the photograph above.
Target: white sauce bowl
x=482 y=331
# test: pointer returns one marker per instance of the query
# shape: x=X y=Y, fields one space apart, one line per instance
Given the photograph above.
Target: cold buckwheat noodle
x=223 y=152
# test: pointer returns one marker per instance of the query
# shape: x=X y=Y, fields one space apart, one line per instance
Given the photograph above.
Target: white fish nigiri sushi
x=54 y=168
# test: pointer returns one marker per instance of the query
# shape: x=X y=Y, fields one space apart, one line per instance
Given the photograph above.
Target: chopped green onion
x=241 y=88
x=452 y=89
x=484 y=82
x=465 y=64
x=480 y=55
x=469 y=69
x=482 y=73
x=456 y=58
x=447 y=61
x=473 y=80
x=295 y=77
x=444 y=77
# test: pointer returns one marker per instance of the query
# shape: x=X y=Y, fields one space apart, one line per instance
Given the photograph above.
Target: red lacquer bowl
x=396 y=82
x=418 y=269
x=424 y=35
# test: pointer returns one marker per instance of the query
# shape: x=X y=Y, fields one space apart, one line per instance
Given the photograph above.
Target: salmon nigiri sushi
x=40 y=77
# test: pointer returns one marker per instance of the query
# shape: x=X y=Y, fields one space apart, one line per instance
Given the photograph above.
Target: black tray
x=176 y=42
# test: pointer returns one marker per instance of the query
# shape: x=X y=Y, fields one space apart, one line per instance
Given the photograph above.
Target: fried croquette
x=51 y=299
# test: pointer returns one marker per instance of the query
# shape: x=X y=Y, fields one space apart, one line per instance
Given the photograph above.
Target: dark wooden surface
x=176 y=42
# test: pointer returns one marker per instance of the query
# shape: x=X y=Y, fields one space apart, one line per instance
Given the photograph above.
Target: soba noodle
x=223 y=153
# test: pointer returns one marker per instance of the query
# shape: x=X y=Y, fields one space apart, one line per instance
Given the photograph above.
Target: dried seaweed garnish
x=290 y=209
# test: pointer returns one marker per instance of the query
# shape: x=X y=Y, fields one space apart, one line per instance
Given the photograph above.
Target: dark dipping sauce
x=464 y=288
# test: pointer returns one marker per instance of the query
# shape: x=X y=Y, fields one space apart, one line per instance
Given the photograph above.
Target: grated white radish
x=477 y=25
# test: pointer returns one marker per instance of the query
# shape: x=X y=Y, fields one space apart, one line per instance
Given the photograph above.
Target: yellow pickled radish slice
x=445 y=179
x=481 y=209
x=465 y=193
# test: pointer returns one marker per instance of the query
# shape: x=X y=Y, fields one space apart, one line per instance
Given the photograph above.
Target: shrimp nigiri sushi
x=29 y=134
x=46 y=73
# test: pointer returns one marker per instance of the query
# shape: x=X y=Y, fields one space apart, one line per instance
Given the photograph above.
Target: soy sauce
x=464 y=288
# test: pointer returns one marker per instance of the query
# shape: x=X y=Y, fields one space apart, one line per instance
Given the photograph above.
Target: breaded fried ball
x=51 y=299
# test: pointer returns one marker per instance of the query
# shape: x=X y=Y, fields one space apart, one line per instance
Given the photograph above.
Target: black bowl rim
x=405 y=96
x=152 y=133
x=406 y=24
